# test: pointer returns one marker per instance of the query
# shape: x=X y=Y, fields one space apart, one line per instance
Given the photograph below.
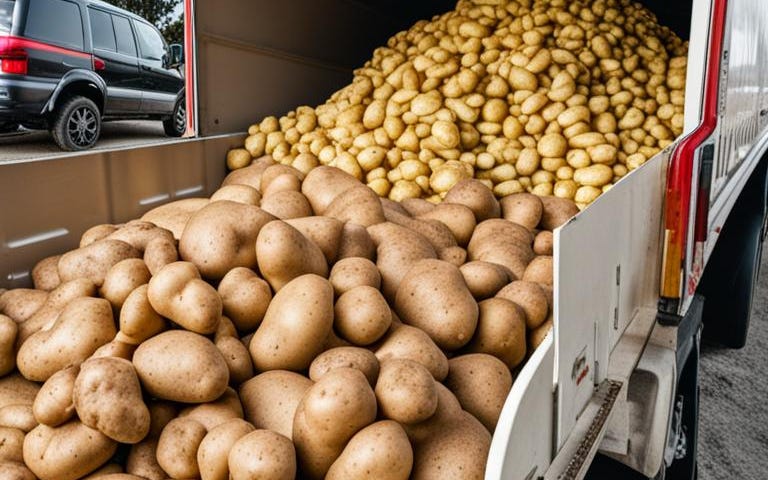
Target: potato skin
x=479 y=198
x=329 y=414
x=481 y=383
x=556 y=211
x=67 y=452
x=500 y=331
x=460 y=219
x=543 y=244
x=270 y=399
x=124 y=277
x=380 y=450
x=177 y=447
x=352 y=272
x=523 y=209
x=362 y=315
x=245 y=297
x=84 y=325
x=284 y=254
x=11 y=445
x=531 y=298
x=351 y=357
x=405 y=341
x=107 y=397
x=12 y=470
x=214 y=450
x=406 y=391
x=94 y=261
x=142 y=460
x=485 y=279
x=540 y=270
x=55 y=404
x=297 y=321
x=45 y=274
x=181 y=366
x=8 y=332
x=262 y=454
x=434 y=297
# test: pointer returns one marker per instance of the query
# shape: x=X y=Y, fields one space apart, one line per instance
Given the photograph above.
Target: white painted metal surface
x=521 y=448
x=606 y=269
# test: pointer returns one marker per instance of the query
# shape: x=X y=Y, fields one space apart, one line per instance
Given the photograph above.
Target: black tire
x=76 y=124
x=176 y=125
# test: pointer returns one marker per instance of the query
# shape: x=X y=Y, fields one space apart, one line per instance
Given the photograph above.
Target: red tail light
x=13 y=58
x=98 y=64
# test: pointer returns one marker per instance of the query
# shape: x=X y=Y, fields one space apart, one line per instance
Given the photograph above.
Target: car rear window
x=55 y=21
x=102 y=30
x=6 y=15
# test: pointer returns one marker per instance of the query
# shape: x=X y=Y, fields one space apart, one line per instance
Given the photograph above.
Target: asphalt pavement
x=733 y=419
x=36 y=144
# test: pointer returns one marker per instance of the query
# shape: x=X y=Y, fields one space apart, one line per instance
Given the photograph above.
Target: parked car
x=68 y=65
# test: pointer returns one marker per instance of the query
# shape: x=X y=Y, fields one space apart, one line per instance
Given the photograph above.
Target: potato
x=276 y=178
x=536 y=336
x=556 y=212
x=238 y=158
x=476 y=196
x=138 y=320
x=358 y=205
x=174 y=216
x=21 y=303
x=11 y=445
x=177 y=447
x=380 y=450
x=406 y=391
x=107 y=397
x=362 y=315
x=84 y=325
x=411 y=343
x=459 y=219
x=47 y=313
x=351 y=357
x=270 y=399
x=543 y=244
x=181 y=366
x=244 y=297
x=285 y=254
x=214 y=413
x=67 y=452
x=16 y=390
x=177 y=292
x=142 y=461
x=18 y=416
x=523 y=209
x=437 y=234
x=45 y=274
x=250 y=175
x=352 y=272
x=540 y=270
x=530 y=297
x=221 y=236
x=8 y=332
x=122 y=279
x=397 y=249
x=94 y=261
x=484 y=279
x=15 y=471
x=325 y=232
x=329 y=414
x=355 y=242
x=503 y=243
x=237 y=356
x=500 y=331
x=481 y=383
x=238 y=193
x=323 y=184
x=115 y=349
x=297 y=321
x=286 y=204
x=262 y=454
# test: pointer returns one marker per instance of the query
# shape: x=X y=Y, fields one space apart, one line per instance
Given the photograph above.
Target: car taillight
x=13 y=59
x=99 y=64
x=677 y=214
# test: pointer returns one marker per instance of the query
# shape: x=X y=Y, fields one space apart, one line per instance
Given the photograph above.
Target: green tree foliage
x=159 y=13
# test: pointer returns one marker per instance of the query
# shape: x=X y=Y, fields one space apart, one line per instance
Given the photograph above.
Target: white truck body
x=605 y=378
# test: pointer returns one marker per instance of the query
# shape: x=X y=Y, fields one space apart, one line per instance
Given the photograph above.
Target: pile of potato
x=553 y=97
x=288 y=326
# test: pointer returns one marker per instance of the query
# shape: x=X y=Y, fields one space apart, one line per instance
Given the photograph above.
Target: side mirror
x=177 y=54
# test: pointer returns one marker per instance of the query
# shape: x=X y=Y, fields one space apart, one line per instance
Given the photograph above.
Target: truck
x=668 y=256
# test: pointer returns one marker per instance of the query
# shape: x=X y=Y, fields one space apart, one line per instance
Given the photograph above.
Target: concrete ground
x=733 y=420
x=36 y=144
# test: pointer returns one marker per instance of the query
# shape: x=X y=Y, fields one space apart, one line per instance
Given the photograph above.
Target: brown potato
x=11 y=445
x=380 y=450
x=8 y=332
x=19 y=416
x=214 y=413
x=174 y=216
x=142 y=460
x=138 y=320
x=530 y=297
x=45 y=274
x=325 y=232
x=323 y=184
x=297 y=321
x=481 y=382
x=55 y=403
x=12 y=470
x=484 y=279
x=245 y=297
x=479 y=198
x=177 y=292
x=264 y=455
x=47 y=313
x=177 y=447
x=250 y=175
x=67 y=452
x=22 y=303
x=221 y=236
x=84 y=325
x=214 y=450
x=181 y=366
x=270 y=399
x=351 y=357
x=540 y=270
x=543 y=244
x=285 y=254
x=237 y=356
x=237 y=193
x=17 y=390
x=94 y=261
x=460 y=219
x=422 y=299
x=352 y=272
x=356 y=242
x=285 y=204
x=397 y=249
x=406 y=342
x=537 y=335
x=362 y=315
x=329 y=414
x=358 y=205
x=406 y=391
x=523 y=209
x=556 y=212
x=123 y=278
x=500 y=331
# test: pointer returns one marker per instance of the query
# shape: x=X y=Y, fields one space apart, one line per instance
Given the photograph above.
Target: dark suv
x=66 y=65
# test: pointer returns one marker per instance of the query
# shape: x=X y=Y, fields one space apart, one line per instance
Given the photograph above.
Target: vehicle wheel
x=8 y=127
x=177 y=124
x=77 y=124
